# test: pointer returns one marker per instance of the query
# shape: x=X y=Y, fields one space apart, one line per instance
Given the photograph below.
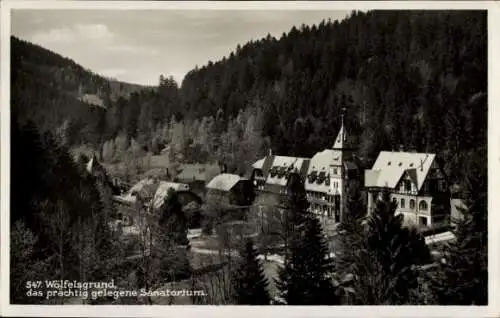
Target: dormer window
x=321 y=177
x=273 y=171
x=312 y=176
x=281 y=172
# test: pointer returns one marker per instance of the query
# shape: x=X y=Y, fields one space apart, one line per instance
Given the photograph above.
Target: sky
x=137 y=46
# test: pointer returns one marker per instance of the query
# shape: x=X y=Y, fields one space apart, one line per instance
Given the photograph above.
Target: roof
x=283 y=162
x=202 y=172
x=224 y=181
x=343 y=139
x=322 y=162
x=259 y=163
x=441 y=237
x=390 y=167
x=160 y=191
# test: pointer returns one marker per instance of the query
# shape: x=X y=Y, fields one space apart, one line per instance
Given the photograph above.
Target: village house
x=152 y=193
x=416 y=183
x=230 y=190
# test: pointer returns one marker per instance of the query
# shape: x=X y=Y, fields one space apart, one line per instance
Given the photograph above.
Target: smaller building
x=230 y=189
x=416 y=183
x=155 y=191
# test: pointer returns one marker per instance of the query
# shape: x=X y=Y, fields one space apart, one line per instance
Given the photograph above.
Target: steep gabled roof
x=284 y=162
x=259 y=163
x=224 y=181
x=343 y=141
x=341 y=138
x=389 y=168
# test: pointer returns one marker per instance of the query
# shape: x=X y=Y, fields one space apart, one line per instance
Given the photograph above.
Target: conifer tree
x=462 y=278
x=250 y=283
x=295 y=206
x=350 y=232
x=385 y=268
x=305 y=278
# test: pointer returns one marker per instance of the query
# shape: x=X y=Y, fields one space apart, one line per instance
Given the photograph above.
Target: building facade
x=230 y=190
x=329 y=174
x=326 y=176
x=416 y=184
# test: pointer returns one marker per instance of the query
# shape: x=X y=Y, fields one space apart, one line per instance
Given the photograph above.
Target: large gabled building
x=326 y=175
x=416 y=183
x=329 y=174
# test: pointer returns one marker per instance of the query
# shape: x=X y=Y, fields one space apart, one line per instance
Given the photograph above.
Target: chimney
x=270 y=152
x=401 y=148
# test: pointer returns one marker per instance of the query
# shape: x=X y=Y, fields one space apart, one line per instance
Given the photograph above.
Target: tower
x=339 y=168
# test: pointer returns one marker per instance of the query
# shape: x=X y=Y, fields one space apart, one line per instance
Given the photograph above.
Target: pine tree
x=305 y=278
x=350 y=232
x=462 y=278
x=295 y=205
x=385 y=268
x=250 y=283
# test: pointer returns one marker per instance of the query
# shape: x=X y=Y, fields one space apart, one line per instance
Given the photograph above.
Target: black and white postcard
x=167 y=158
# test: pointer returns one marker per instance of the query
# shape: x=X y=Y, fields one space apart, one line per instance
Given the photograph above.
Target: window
x=402 y=205
x=395 y=201
x=422 y=205
x=335 y=171
x=412 y=204
x=407 y=185
x=422 y=220
x=389 y=163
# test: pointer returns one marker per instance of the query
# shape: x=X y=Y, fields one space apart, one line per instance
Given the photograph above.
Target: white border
x=217 y=311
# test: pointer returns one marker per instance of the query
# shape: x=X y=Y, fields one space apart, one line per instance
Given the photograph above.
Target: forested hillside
x=416 y=79
x=54 y=91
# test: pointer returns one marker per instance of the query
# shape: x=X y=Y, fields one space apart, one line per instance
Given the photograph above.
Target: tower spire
x=342 y=117
x=341 y=137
